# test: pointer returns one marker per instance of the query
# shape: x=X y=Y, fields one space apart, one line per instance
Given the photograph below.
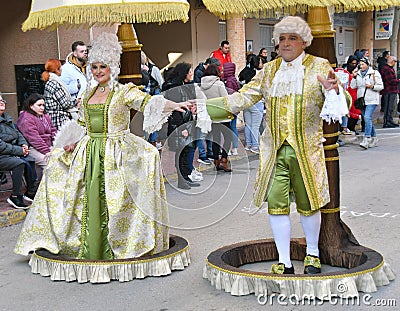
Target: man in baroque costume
x=300 y=91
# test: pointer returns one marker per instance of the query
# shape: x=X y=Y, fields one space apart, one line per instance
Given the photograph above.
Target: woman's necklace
x=102 y=88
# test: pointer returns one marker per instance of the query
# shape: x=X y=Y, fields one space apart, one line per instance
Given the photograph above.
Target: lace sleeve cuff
x=154 y=115
x=335 y=106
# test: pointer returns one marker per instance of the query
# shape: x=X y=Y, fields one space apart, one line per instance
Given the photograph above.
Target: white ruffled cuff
x=154 y=115
x=70 y=133
x=203 y=118
x=335 y=106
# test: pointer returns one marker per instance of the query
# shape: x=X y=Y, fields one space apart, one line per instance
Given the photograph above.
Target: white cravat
x=289 y=78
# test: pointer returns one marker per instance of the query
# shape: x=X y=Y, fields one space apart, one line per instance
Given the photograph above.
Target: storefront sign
x=348 y=20
x=384 y=24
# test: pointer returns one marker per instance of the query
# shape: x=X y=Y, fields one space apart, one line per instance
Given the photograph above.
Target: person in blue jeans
x=235 y=136
x=204 y=154
x=252 y=118
x=368 y=83
x=253 y=115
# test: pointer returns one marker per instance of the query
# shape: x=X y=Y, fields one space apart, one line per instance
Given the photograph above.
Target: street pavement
x=217 y=214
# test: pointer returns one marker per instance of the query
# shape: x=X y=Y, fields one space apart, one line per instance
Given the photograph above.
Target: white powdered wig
x=106 y=49
x=293 y=24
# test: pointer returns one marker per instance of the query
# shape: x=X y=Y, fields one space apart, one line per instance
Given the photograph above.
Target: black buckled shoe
x=280 y=268
x=312 y=265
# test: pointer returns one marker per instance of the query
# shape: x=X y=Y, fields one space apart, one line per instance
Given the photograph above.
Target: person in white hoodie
x=74 y=70
x=213 y=87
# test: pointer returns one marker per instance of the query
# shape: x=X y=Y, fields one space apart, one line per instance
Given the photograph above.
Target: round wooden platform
x=61 y=268
x=224 y=272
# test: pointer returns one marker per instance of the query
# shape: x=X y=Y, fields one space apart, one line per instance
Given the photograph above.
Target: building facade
x=165 y=44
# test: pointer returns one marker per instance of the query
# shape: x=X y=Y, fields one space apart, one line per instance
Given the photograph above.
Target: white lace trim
x=203 y=118
x=335 y=106
x=154 y=115
x=105 y=272
x=289 y=78
x=321 y=288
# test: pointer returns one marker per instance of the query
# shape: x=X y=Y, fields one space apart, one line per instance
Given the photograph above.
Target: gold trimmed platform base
x=59 y=268
x=223 y=270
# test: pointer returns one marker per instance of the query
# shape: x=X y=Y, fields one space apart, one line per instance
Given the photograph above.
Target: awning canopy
x=271 y=8
x=49 y=14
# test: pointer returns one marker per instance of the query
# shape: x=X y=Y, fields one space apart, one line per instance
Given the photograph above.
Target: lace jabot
x=289 y=78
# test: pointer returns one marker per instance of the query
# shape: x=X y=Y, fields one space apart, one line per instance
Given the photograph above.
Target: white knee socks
x=281 y=229
x=311 y=226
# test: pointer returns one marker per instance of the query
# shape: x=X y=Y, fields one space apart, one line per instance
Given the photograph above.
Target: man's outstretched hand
x=330 y=83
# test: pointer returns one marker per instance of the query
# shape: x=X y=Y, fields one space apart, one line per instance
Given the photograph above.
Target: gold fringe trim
x=270 y=8
x=132 y=13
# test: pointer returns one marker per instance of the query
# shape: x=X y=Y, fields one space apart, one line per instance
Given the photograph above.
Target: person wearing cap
x=199 y=70
x=300 y=91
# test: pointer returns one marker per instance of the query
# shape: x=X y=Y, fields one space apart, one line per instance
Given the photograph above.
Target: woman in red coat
x=354 y=114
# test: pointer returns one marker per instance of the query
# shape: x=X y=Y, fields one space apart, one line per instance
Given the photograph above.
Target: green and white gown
x=106 y=199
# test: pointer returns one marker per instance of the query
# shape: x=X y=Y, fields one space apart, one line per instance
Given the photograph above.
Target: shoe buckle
x=312 y=261
x=277 y=268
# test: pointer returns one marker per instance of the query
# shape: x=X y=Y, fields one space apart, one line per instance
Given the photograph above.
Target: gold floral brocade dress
x=106 y=199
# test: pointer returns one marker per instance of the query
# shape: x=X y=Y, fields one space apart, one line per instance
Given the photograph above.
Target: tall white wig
x=293 y=24
x=106 y=49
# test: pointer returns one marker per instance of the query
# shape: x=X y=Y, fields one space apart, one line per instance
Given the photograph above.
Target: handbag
x=359 y=103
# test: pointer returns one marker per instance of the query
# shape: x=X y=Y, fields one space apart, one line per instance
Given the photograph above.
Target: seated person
x=38 y=130
x=14 y=157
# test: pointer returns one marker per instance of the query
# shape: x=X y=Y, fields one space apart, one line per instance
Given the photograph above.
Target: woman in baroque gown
x=102 y=196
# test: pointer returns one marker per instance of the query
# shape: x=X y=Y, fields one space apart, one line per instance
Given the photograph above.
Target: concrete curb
x=11 y=217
